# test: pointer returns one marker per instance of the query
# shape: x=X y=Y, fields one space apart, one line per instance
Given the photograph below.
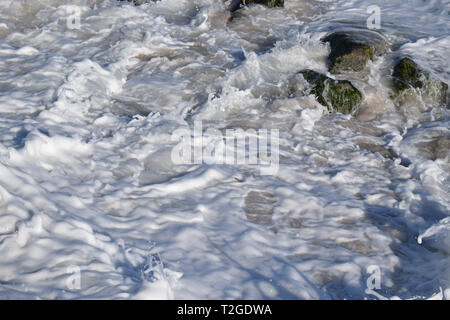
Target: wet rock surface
x=408 y=75
x=351 y=50
x=337 y=95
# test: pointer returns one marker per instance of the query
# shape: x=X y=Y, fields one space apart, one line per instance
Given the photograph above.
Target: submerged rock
x=139 y=2
x=408 y=75
x=236 y=4
x=337 y=95
x=258 y=206
x=351 y=50
x=438 y=148
x=386 y=152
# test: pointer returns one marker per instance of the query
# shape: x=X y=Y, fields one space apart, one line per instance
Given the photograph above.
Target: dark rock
x=337 y=95
x=139 y=2
x=407 y=74
x=351 y=50
x=236 y=4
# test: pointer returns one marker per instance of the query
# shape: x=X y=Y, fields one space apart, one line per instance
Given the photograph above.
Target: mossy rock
x=336 y=95
x=236 y=4
x=409 y=77
x=407 y=74
x=351 y=50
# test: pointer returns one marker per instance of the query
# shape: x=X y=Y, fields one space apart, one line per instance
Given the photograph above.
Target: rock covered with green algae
x=336 y=95
x=407 y=74
x=408 y=77
x=351 y=50
x=236 y=4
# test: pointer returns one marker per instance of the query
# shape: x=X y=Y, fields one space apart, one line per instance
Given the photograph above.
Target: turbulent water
x=92 y=205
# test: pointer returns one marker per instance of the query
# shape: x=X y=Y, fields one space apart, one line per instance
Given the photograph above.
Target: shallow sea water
x=88 y=187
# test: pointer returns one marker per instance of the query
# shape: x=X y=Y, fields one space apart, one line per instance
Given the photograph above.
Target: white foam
x=87 y=182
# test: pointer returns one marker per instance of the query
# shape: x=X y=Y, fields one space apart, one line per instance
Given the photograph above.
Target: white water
x=86 y=177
